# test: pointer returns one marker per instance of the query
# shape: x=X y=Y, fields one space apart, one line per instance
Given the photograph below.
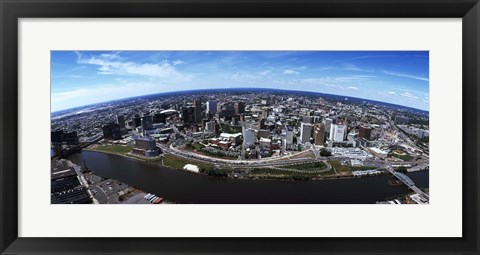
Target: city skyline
x=81 y=78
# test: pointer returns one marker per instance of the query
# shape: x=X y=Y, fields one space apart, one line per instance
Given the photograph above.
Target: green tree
x=325 y=153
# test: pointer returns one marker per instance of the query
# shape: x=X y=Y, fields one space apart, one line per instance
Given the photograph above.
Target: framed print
x=229 y=127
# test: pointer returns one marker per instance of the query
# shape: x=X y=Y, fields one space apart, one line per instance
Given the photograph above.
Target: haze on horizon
x=81 y=78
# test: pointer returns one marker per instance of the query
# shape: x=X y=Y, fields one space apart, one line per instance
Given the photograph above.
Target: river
x=183 y=187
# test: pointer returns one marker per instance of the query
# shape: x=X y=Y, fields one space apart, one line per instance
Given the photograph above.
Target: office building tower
x=305 y=132
x=137 y=121
x=319 y=134
x=212 y=107
x=147 y=122
x=364 y=132
x=289 y=137
x=159 y=117
x=307 y=119
x=239 y=107
x=188 y=115
x=197 y=110
x=121 y=121
x=328 y=125
x=112 y=131
x=338 y=132
x=249 y=137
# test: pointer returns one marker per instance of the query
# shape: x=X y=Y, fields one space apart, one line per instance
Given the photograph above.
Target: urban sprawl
x=248 y=134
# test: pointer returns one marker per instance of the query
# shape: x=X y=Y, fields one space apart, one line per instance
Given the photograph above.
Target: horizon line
x=238 y=88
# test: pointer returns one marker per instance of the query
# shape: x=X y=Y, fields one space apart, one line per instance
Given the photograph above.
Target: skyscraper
x=212 y=106
x=337 y=132
x=121 y=121
x=239 y=107
x=137 y=121
x=319 y=134
x=197 y=111
x=111 y=131
x=305 y=132
x=147 y=122
x=188 y=115
x=364 y=132
x=249 y=136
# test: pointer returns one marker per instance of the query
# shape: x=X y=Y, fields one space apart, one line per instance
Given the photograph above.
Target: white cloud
x=177 y=62
x=409 y=95
x=406 y=75
x=392 y=93
x=290 y=71
x=352 y=88
x=112 y=64
x=351 y=67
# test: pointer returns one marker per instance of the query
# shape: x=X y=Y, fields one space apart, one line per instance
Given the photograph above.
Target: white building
x=378 y=152
x=338 y=132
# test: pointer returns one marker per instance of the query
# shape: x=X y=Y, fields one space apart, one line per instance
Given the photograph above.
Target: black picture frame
x=11 y=11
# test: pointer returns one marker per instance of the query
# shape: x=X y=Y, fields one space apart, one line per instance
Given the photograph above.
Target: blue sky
x=85 y=77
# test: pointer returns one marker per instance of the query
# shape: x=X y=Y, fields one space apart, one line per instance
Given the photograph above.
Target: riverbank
x=186 y=187
x=120 y=150
x=288 y=172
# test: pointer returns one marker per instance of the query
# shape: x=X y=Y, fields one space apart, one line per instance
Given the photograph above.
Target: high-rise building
x=338 y=132
x=197 y=110
x=239 y=107
x=249 y=136
x=121 y=121
x=305 y=132
x=364 y=132
x=319 y=134
x=289 y=137
x=212 y=106
x=328 y=125
x=227 y=110
x=307 y=119
x=188 y=115
x=112 y=131
x=147 y=122
x=137 y=121
x=159 y=117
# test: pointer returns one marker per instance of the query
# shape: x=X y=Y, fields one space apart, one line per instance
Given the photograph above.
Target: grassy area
x=116 y=149
x=230 y=129
x=267 y=173
x=405 y=157
x=179 y=163
x=308 y=166
x=197 y=146
x=359 y=168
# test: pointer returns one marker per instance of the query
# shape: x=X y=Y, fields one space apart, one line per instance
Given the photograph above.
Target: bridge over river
x=407 y=181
